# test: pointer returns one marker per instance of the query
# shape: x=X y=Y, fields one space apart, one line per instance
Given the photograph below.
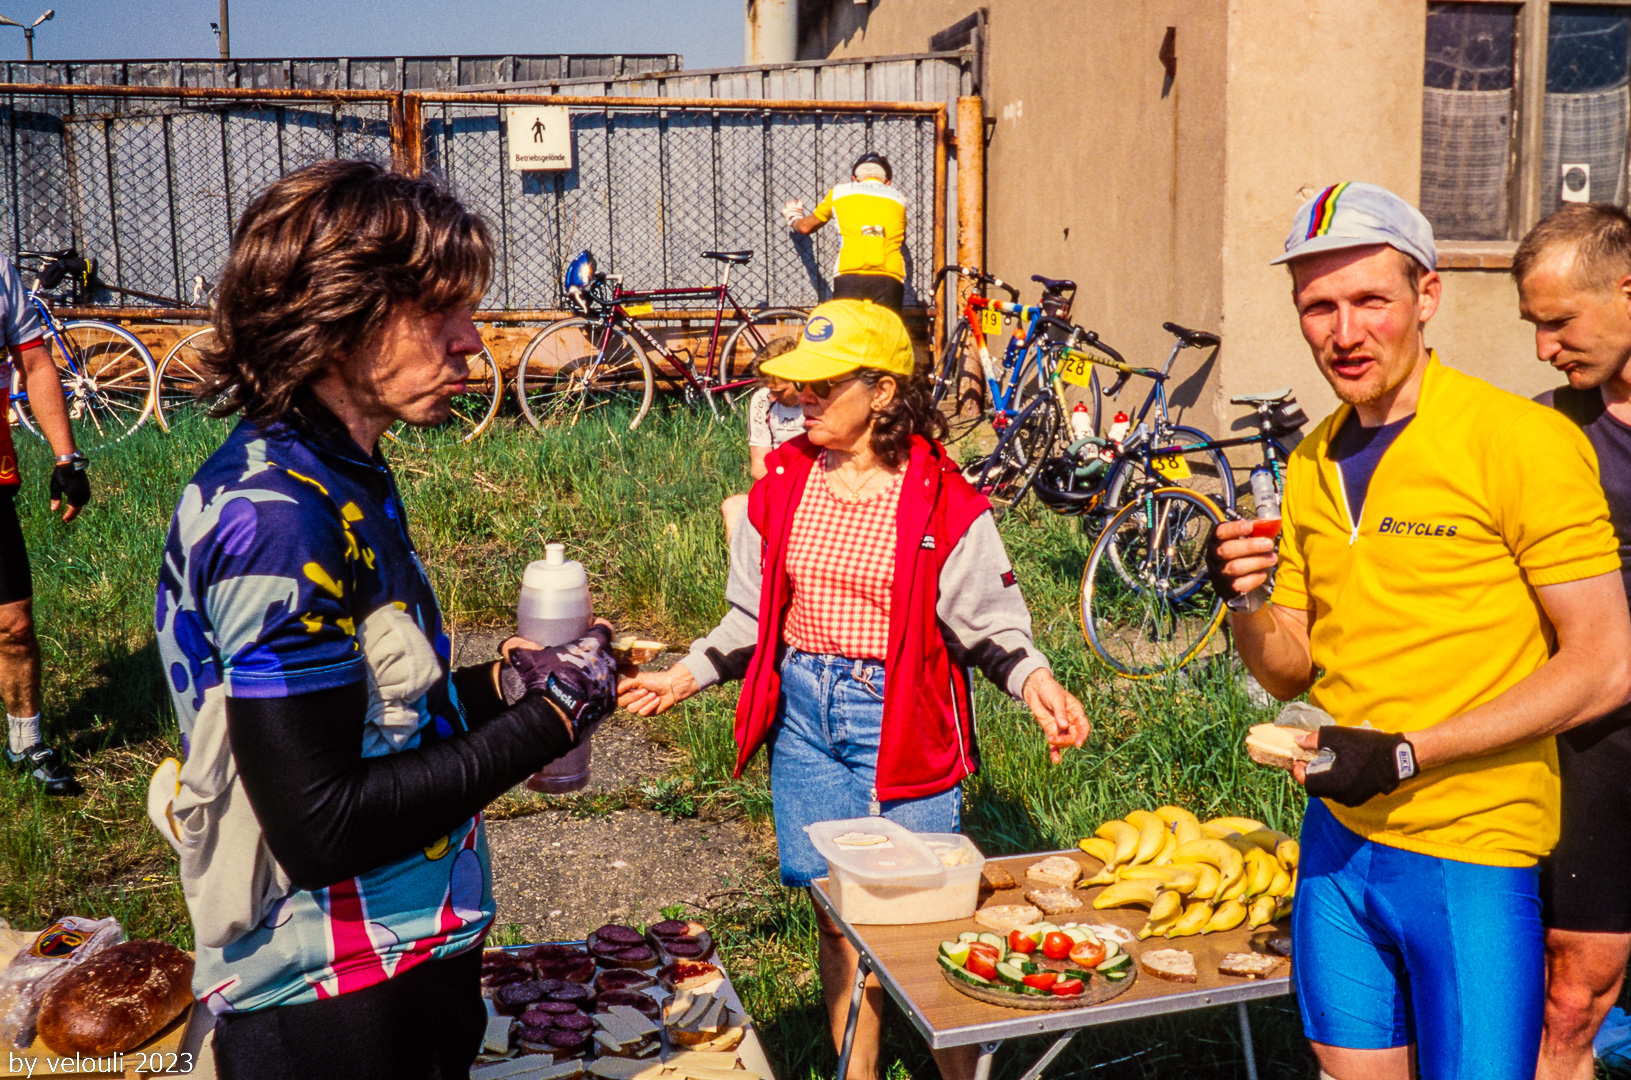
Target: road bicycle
x=107 y=373
x=1010 y=385
x=182 y=379
x=594 y=361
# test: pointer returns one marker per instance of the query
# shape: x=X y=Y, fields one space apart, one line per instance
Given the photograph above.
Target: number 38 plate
x=1172 y=466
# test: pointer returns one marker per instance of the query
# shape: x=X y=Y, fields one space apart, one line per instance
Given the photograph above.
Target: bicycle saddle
x=728 y=256
x=1053 y=284
x=1195 y=339
x=1262 y=399
x=63 y=254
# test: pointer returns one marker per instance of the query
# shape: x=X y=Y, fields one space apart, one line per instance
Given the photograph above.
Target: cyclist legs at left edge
x=70 y=490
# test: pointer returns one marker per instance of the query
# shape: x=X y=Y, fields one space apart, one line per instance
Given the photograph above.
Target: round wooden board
x=1098 y=992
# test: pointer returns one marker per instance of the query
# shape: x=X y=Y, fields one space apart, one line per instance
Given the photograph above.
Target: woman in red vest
x=867 y=579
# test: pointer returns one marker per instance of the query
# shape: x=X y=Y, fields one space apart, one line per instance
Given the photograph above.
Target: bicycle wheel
x=1202 y=469
x=960 y=399
x=1005 y=475
x=181 y=379
x=107 y=381
x=1158 y=613
x=473 y=411
x=738 y=357
x=564 y=374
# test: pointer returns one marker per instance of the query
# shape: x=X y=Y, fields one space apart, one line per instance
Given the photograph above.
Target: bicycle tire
x=1005 y=475
x=563 y=374
x=962 y=408
x=1210 y=473
x=1166 y=615
x=738 y=357
x=180 y=379
x=472 y=412
x=108 y=385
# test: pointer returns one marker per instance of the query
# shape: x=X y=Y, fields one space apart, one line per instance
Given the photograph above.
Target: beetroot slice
x=515 y=997
x=632 y=998
x=636 y=953
x=566 y=1040
x=570 y=992
x=685 y=948
x=670 y=928
x=622 y=979
x=622 y=935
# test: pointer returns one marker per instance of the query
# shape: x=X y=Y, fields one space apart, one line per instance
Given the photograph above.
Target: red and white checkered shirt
x=841 y=558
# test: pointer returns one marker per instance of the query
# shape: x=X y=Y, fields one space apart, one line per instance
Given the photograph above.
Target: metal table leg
x=861 y=972
x=1245 y=1042
x=982 y=1065
x=1047 y=1059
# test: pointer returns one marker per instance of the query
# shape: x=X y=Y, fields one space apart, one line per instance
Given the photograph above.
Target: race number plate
x=1172 y=466
x=635 y=310
x=990 y=321
x=1077 y=370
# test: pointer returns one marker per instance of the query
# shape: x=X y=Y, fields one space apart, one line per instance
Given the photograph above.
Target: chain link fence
x=150 y=182
x=654 y=185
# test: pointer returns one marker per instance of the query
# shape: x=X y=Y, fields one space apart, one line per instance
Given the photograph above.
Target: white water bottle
x=555 y=610
x=1118 y=427
x=1081 y=421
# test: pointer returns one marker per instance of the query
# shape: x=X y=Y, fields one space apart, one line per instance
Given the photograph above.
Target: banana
x=1182 y=879
x=1282 y=907
x=1267 y=839
x=1171 y=815
x=1168 y=846
x=1124 y=836
x=1289 y=853
x=1103 y=877
x=1219 y=832
x=1229 y=914
x=1261 y=911
x=1186 y=829
x=1195 y=916
x=1217 y=853
x=1291 y=890
x=1261 y=869
x=1154 y=927
x=1168 y=905
x=1281 y=883
x=1236 y=889
x=1241 y=825
x=1123 y=893
x=1151 y=832
x=1100 y=848
x=1210 y=883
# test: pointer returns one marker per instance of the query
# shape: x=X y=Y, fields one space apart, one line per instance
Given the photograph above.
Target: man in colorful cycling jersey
x=871 y=218
x=19 y=647
x=1573 y=273
x=1449 y=657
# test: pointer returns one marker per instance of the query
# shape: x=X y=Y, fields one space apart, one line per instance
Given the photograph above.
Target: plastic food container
x=904 y=879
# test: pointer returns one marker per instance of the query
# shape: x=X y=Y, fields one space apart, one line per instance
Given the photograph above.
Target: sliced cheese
x=531 y=1067
x=700 y=1072
x=497 y=1039
x=617 y=1027
x=678 y=1006
x=700 y=1004
x=608 y=1040
x=637 y=1020
x=701 y=1059
x=713 y=1018
x=617 y=1068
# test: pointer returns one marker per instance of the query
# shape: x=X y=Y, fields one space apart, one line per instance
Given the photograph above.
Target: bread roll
x=117 y=1000
x=1269 y=744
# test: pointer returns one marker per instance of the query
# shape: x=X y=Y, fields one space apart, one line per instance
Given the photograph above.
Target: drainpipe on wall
x=771 y=32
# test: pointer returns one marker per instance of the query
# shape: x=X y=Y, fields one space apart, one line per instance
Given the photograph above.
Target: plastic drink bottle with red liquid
x=554 y=610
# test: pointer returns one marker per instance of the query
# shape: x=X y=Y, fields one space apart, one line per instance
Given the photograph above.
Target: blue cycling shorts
x=1395 y=947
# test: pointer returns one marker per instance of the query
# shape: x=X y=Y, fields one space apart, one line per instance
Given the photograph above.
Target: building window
x=1490 y=167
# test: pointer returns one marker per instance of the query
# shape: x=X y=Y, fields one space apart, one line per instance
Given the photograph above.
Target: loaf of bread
x=117 y=1000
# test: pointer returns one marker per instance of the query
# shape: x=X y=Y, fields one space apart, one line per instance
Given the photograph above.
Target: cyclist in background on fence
x=774 y=417
x=19 y=647
x=1573 y=273
x=871 y=218
x=1447 y=578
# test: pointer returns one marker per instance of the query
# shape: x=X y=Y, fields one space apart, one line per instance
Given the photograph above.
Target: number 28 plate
x=1077 y=370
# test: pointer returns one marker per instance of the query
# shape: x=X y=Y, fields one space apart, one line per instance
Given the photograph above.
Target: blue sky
x=707 y=32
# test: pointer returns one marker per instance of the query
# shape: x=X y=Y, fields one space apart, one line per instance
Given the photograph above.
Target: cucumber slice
x=1046 y=928
x=1115 y=976
x=993 y=939
x=1030 y=967
x=1110 y=948
x=955 y=951
x=1010 y=974
x=1122 y=962
x=971 y=978
x=968 y=935
x=1081 y=935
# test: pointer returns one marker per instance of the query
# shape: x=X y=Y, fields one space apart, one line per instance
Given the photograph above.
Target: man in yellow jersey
x=1448 y=589
x=871 y=218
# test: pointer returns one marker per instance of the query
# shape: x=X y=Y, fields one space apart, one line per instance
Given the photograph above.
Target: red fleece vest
x=928 y=720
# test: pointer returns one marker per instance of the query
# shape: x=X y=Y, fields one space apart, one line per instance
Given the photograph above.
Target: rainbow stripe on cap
x=1325 y=209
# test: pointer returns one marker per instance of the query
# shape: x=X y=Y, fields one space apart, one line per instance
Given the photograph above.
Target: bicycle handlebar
x=976 y=274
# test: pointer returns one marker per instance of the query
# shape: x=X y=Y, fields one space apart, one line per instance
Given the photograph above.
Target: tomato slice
x=1057 y=945
x=1066 y=988
x=981 y=965
x=1042 y=980
x=1088 y=954
x=990 y=952
x=1021 y=942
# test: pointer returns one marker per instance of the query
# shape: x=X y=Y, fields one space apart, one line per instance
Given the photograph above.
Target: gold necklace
x=854 y=492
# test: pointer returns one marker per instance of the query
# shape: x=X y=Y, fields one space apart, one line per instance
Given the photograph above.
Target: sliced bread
x=1055 y=901
x=1249 y=965
x=1174 y=965
x=1055 y=870
x=1269 y=744
x=996 y=879
x=1005 y=917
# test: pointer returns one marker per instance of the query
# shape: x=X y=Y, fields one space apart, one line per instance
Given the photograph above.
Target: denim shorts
x=824 y=757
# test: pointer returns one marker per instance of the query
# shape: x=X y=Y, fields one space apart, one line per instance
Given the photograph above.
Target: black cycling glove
x=1355 y=765
x=580 y=678
x=69 y=482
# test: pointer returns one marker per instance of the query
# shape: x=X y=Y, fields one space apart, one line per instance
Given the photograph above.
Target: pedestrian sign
x=540 y=137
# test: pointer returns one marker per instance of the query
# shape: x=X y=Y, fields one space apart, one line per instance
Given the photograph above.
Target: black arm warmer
x=478 y=697
x=330 y=814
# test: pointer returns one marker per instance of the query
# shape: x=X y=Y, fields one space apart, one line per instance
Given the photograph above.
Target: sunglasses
x=823 y=388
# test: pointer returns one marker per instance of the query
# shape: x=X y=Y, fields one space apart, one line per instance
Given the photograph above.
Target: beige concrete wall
x=1092 y=173
x=1477 y=329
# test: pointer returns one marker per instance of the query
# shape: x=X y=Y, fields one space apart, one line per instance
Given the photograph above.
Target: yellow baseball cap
x=842 y=335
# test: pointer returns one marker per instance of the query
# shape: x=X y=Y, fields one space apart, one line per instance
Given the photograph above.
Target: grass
x=640 y=511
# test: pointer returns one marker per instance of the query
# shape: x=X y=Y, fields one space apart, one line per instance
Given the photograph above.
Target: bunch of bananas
x=1195 y=877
